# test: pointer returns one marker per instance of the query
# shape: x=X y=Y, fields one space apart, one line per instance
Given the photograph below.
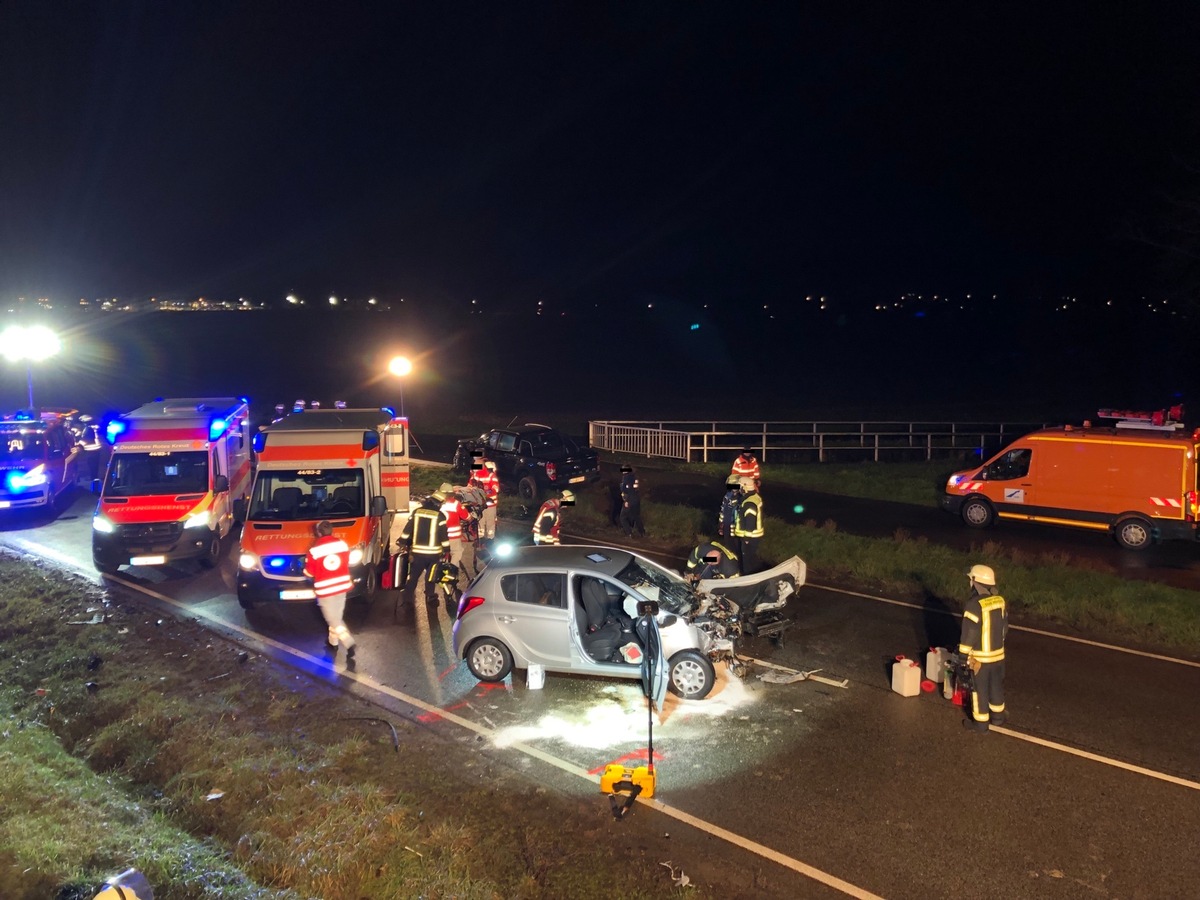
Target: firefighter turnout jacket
x=328 y=565
x=749 y=520
x=426 y=533
x=726 y=567
x=984 y=627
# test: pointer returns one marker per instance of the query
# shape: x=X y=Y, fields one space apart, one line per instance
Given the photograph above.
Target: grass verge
x=133 y=741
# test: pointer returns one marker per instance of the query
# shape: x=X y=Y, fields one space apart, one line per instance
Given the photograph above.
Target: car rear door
x=535 y=616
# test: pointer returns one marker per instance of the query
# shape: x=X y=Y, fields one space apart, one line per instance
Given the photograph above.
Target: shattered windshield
x=674 y=594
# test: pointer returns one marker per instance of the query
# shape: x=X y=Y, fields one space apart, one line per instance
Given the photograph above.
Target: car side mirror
x=379 y=506
x=220 y=484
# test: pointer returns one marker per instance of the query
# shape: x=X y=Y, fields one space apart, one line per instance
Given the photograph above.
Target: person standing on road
x=487 y=479
x=328 y=565
x=425 y=540
x=729 y=507
x=984 y=628
x=746 y=466
x=458 y=518
x=631 y=503
x=548 y=522
x=748 y=525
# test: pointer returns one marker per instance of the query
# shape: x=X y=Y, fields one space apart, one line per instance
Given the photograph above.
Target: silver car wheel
x=488 y=661
x=689 y=677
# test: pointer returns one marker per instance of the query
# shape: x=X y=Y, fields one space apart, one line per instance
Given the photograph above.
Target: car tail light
x=1192 y=497
x=466 y=604
x=551 y=471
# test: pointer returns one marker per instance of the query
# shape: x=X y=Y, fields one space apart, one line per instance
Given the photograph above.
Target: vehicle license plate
x=147 y=560
x=297 y=595
x=577 y=478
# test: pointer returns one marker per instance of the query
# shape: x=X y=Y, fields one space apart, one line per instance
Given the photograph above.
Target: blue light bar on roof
x=115 y=427
x=216 y=428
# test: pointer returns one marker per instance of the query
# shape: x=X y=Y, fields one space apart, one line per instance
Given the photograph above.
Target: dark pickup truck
x=532 y=459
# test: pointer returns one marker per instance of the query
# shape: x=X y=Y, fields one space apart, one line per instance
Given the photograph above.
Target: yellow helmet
x=439 y=496
x=982 y=574
x=568 y=497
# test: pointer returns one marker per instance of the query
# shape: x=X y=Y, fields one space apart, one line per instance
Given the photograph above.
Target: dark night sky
x=582 y=152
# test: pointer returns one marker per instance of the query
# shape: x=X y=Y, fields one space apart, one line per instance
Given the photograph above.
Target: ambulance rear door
x=394 y=472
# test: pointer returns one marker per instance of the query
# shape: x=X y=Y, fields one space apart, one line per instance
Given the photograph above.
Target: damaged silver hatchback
x=572 y=609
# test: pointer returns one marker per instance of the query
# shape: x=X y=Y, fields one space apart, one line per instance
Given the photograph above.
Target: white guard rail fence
x=696 y=441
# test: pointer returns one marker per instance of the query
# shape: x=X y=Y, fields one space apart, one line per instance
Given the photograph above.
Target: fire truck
x=39 y=458
x=176 y=471
x=347 y=466
x=1135 y=478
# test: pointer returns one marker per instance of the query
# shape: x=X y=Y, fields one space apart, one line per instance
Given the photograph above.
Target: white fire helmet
x=747 y=484
x=982 y=574
x=568 y=497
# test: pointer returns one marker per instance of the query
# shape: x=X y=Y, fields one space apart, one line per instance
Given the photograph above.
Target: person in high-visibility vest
x=746 y=466
x=487 y=478
x=748 y=526
x=328 y=565
x=984 y=628
x=712 y=559
x=547 y=524
x=425 y=541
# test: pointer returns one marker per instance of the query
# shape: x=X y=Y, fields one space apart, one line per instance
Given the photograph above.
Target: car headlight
x=199 y=520
x=356 y=554
x=32 y=478
x=954 y=480
x=248 y=562
x=101 y=524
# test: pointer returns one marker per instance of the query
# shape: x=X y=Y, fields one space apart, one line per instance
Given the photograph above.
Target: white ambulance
x=347 y=466
x=177 y=468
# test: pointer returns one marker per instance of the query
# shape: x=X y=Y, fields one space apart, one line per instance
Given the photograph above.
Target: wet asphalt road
x=885 y=792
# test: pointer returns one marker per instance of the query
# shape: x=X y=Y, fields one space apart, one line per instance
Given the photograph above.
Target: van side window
x=1013 y=464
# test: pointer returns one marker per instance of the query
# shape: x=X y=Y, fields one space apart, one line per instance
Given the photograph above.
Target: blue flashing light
x=216 y=428
x=259 y=441
x=14 y=482
x=695 y=326
x=23 y=416
x=276 y=562
x=115 y=427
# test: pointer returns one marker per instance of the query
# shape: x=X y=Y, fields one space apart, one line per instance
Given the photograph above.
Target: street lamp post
x=401 y=367
x=29 y=345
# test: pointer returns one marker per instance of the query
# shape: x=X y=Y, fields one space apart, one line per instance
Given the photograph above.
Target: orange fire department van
x=39 y=458
x=176 y=470
x=349 y=466
x=1136 y=479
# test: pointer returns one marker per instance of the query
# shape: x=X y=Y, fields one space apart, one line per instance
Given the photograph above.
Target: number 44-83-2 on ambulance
x=1135 y=479
x=176 y=471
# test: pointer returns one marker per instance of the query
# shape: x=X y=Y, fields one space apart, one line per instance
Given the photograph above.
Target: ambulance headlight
x=102 y=525
x=199 y=520
x=356 y=555
x=248 y=562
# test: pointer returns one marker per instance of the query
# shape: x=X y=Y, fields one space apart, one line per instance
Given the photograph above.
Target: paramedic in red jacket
x=328 y=565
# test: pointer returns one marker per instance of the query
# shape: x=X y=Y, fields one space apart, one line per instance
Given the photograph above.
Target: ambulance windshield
x=307 y=494
x=149 y=474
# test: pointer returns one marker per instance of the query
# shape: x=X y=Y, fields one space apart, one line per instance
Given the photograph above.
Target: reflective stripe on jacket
x=984 y=627
x=749 y=522
x=328 y=565
x=425 y=532
x=746 y=467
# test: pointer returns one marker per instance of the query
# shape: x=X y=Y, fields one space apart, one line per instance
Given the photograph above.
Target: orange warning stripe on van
x=351 y=454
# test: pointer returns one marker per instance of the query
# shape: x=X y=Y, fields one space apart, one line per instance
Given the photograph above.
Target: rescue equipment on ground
x=640 y=780
x=906 y=677
x=935 y=664
x=535 y=677
x=129 y=885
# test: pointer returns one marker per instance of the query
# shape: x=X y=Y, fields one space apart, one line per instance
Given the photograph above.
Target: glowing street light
x=28 y=344
x=401 y=367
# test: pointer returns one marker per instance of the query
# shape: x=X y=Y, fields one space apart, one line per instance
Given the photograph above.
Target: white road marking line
x=1095 y=757
x=1025 y=628
x=570 y=768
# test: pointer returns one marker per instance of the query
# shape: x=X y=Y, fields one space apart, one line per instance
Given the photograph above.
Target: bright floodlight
x=31 y=344
x=400 y=366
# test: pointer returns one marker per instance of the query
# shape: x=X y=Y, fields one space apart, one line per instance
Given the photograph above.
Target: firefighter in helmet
x=748 y=526
x=984 y=628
